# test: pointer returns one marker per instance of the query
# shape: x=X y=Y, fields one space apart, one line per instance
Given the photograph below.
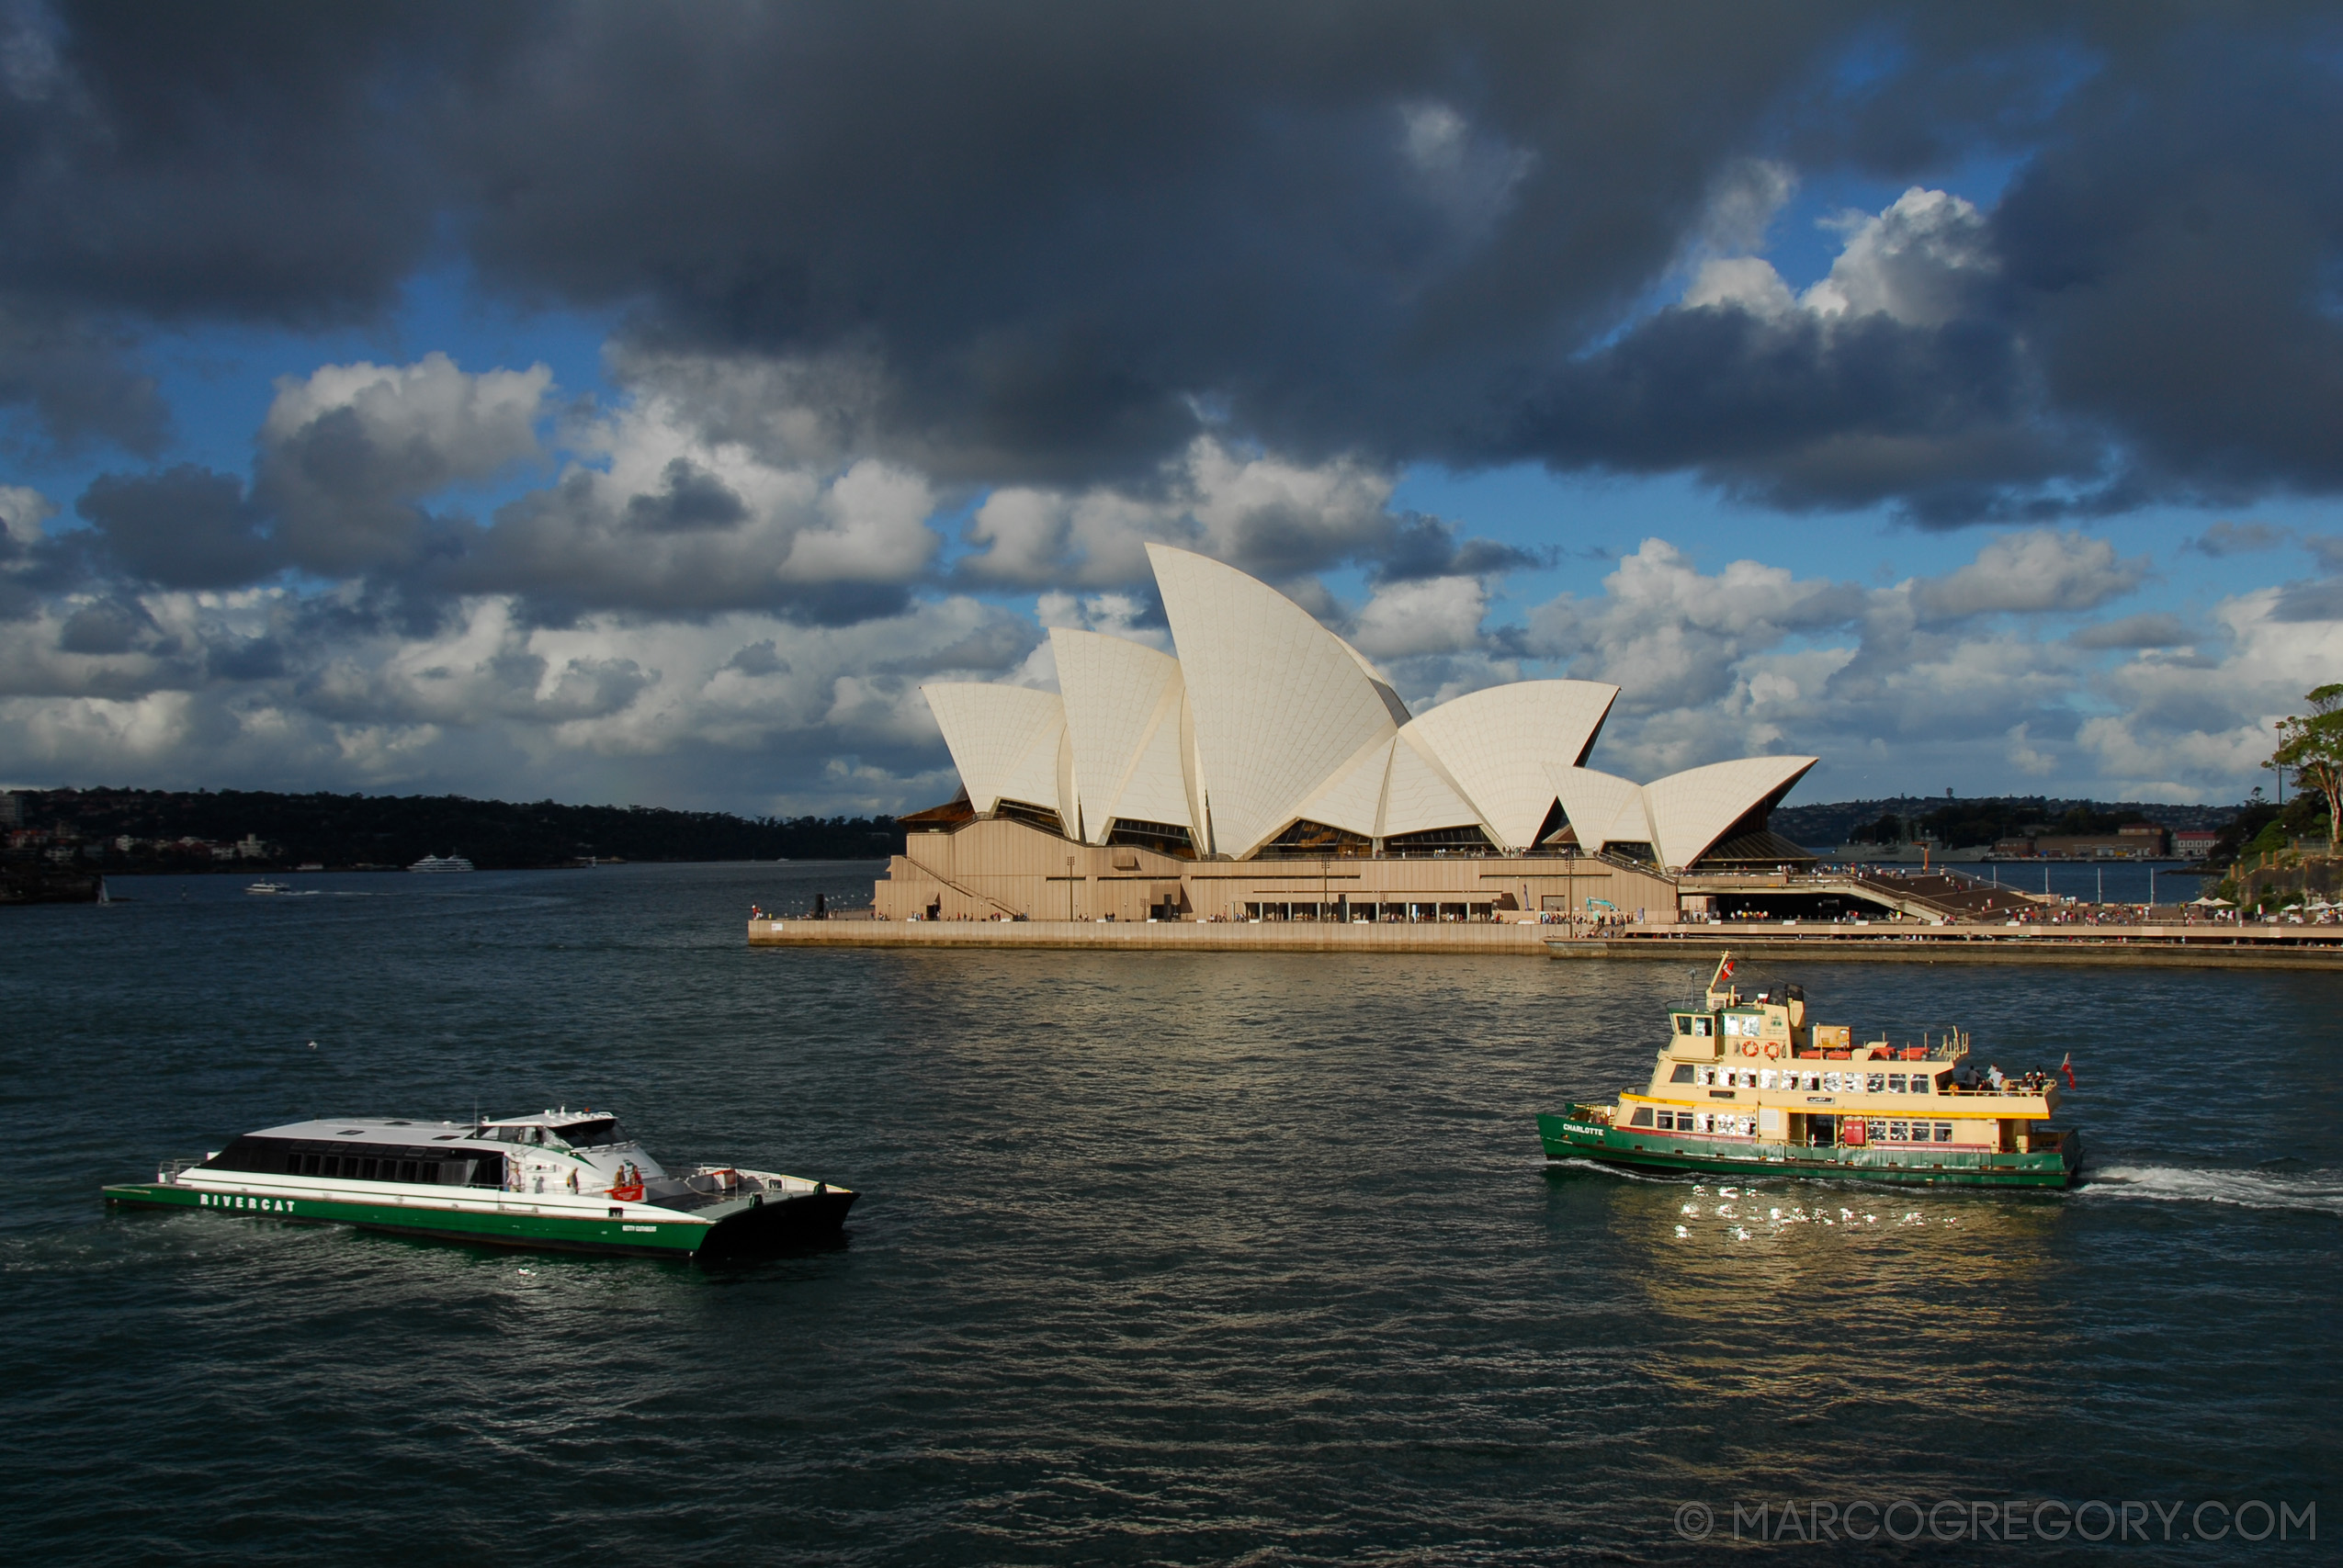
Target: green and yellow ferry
x=566 y=1180
x=1746 y=1086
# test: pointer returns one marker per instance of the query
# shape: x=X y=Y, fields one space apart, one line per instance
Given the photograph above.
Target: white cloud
x=348 y=452
x=1432 y=614
x=432 y=415
x=1749 y=282
x=2032 y=572
x=22 y=512
x=1917 y=260
x=1276 y=518
x=2025 y=756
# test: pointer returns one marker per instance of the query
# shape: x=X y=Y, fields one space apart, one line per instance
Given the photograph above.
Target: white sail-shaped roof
x=1420 y=794
x=1600 y=806
x=1500 y=745
x=1156 y=789
x=1691 y=810
x=1004 y=739
x=1123 y=713
x=1353 y=799
x=1278 y=701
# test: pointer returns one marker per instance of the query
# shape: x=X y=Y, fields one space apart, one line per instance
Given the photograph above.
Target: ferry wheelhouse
x=1747 y=1085
x=565 y=1179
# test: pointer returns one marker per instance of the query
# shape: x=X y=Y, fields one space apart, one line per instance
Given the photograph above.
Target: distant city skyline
x=619 y=404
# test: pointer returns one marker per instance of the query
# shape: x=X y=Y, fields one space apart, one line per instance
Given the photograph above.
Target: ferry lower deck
x=1583 y=1132
x=561 y=1224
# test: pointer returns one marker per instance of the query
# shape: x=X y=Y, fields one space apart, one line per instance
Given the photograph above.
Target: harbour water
x=1164 y=1258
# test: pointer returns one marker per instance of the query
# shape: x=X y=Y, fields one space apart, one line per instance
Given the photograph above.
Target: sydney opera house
x=1269 y=771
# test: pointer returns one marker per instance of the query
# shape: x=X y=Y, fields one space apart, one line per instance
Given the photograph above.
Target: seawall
x=2180 y=947
x=1180 y=936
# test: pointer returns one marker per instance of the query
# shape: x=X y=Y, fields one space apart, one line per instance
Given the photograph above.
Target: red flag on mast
x=2067 y=1065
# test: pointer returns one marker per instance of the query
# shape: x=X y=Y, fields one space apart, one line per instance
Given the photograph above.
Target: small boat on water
x=442 y=862
x=569 y=1180
x=264 y=886
x=1747 y=1087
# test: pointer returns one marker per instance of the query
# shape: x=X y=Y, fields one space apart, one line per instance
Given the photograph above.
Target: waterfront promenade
x=2226 y=946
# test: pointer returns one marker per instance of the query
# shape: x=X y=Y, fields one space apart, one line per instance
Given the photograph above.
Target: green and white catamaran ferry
x=570 y=1180
x=1746 y=1086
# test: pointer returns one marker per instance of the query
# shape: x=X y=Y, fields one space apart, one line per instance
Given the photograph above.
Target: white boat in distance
x=442 y=862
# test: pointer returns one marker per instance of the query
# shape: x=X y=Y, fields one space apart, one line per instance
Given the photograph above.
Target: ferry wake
x=563 y=1179
x=1747 y=1085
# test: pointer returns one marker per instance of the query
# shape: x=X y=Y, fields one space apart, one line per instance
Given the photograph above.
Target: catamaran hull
x=740 y=1226
x=1573 y=1135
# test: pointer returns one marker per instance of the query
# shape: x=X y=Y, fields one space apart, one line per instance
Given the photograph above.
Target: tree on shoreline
x=2312 y=748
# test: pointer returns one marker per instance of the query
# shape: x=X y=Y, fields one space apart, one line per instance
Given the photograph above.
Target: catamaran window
x=1642 y=1118
x=1683 y=1073
x=592 y=1135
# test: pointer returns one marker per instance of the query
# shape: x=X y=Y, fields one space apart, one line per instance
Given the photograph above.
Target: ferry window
x=1765 y=1077
x=1898 y=1133
x=1642 y=1118
x=1683 y=1023
x=1668 y=1121
x=1830 y=1082
x=1683 y=1073
x=332 y=1166
x=406 y=1170
x=1701 y=1028
x=1944 y=1131
x=1875 y=1082
x=1895 y=1083
x=592 y=1135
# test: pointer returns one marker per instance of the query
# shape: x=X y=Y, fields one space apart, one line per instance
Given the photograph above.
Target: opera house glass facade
x=1269 y=771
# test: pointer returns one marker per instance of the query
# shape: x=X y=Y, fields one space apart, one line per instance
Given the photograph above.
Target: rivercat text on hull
x=1747 y=1087
x=564 y=1179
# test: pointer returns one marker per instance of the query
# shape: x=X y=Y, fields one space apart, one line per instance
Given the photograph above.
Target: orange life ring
x=1771 y=1050
x=1749 y=1047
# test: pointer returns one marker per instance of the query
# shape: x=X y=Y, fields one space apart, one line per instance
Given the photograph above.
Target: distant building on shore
x=2134 y=841
x=2194 y=843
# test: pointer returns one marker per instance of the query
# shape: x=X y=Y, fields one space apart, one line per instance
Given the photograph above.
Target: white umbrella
x=2212 y=903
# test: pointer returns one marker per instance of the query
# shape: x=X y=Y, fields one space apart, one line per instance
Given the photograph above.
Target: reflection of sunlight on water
x=1800 y=1302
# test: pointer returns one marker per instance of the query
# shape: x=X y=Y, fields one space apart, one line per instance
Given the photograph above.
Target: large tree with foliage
x=2311 y=747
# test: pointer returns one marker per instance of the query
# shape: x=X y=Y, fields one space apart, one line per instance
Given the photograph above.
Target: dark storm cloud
x=1070 y=237
x=689 y=498
x=185 y=527
x=1421 y=546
